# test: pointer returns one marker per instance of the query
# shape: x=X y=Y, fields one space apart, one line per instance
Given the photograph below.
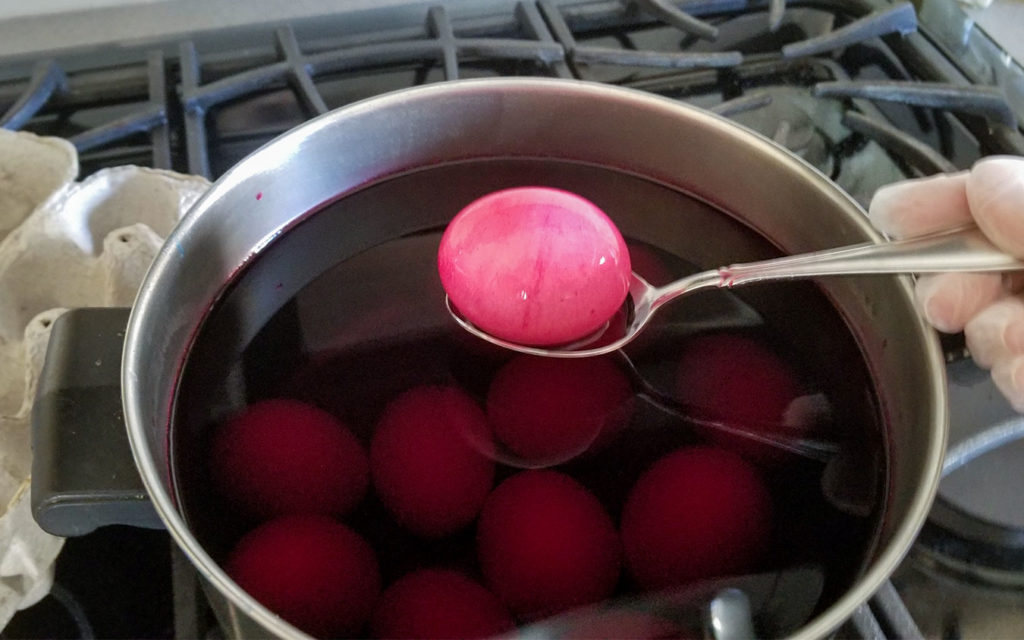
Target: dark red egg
x=282 y=457
x=534 y=265
x=698 y=513
x=439 y=603
x=548 y=410
x=312 y=571
x=739 y=381
x=546 y=544
x=432 y=461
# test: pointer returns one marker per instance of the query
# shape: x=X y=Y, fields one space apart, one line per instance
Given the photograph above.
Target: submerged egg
x=546 y=411
x=739 y=381
x=534 y=265
x=430 y=460
x=312 y=571
x=283 y=456
x=546 y=544
x=438 y=603
x=698 y=513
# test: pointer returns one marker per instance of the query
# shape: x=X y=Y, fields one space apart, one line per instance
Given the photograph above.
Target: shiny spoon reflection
x=766 y=434
x=718 y=608
x=964 y=250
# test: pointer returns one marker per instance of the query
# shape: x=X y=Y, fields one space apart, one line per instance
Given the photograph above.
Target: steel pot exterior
x=682 y=147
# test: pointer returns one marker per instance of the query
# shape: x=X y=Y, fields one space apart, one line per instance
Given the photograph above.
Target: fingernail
x=914 y=207
x=991 y=178
x=990 y=330
x=983 y=343
x=1008 y=375
x=1014 y=338
x=883 y=207
x=995 y=190
x=949 y=300
x=938 y=306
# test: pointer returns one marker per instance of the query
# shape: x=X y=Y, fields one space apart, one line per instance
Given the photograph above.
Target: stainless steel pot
x=681 y=147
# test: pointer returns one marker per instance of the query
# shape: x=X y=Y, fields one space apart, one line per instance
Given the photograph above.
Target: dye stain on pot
x=467 y=442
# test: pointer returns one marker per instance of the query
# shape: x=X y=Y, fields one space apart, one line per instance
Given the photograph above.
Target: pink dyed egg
x=534 y=265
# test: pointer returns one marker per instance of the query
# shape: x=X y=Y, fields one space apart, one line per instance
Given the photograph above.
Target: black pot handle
x=83 y=473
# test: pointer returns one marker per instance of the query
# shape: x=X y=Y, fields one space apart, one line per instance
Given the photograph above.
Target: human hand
x=988 y=308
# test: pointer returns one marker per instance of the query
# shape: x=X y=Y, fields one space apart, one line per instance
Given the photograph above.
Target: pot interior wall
x=345 y=311
x=774 y=194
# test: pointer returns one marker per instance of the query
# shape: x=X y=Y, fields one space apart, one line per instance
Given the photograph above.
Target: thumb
x=1008 y=374
x=995 y=193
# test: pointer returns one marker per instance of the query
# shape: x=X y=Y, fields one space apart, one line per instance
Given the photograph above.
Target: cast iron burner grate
x=181 y=107
x=854 y=87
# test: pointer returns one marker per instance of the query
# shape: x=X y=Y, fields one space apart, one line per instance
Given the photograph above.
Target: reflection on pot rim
x=453 y=120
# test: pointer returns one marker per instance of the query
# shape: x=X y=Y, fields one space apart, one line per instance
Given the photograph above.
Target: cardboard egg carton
x=63 y=244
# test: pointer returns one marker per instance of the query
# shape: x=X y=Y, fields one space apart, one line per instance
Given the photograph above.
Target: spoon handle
x=964 y=249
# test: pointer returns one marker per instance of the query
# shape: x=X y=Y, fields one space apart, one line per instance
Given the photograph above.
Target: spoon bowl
x=964 y=249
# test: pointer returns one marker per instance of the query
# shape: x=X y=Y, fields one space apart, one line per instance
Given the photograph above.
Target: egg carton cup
x=63 y=244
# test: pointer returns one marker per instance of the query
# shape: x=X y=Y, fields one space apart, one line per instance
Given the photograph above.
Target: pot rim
x=143 y=317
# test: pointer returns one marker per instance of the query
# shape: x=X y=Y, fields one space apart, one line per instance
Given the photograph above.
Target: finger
x=995 y=191
x=1008 y=374
x=949 y=300
x=997 y=332
x=917 y=207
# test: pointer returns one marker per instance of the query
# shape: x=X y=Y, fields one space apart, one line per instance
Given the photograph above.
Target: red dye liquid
x=542 y=486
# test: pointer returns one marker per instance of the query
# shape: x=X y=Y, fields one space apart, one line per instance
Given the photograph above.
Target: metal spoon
x=766 y=434
x=964 y=249
x=724 y=608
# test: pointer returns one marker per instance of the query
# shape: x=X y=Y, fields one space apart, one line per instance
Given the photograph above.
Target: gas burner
x=972 y=549
x=975 y=531
x=968 y=562
x=967 y=570
x=977 y=524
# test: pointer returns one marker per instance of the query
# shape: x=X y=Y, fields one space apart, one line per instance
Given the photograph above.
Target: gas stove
x=868 y=91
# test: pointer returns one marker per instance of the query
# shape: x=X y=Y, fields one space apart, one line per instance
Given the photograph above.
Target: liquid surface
x=345 y=312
